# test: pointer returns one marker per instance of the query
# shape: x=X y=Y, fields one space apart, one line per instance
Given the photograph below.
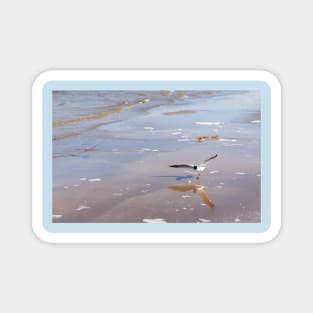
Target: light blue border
x=158 y=227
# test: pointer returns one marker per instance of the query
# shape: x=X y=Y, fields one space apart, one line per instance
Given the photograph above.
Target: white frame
x=37 y=136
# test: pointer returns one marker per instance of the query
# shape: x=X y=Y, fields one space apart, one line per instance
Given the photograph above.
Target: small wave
x=114 y=110
x=179 y=112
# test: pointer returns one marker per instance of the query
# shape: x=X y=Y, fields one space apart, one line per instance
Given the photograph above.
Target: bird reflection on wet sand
x=194 y=188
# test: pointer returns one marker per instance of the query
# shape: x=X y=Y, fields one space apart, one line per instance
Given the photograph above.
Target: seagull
x=199 y=168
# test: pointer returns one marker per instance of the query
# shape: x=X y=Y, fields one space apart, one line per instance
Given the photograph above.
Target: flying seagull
x=199 y=168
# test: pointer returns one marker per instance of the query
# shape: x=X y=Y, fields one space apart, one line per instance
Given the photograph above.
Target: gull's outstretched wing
x=209 y=159
x=184 y=165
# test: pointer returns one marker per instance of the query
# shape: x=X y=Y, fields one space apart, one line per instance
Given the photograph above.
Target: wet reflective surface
x=111 y=152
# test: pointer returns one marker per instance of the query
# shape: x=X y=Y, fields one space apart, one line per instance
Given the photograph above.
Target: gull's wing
x=209 y=159
x=205 y=198
x=184 y=165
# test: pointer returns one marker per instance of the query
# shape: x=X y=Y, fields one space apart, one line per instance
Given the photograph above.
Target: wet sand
x=114 y=168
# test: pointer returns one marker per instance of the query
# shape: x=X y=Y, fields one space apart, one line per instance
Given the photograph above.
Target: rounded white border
x=37 y=182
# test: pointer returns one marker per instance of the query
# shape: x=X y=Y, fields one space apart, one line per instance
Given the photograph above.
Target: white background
x=40 y=35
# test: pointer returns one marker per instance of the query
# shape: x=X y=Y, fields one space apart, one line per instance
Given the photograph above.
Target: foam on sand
x=154 y=220
x=227 y=140
x=94 y=179
x=203 y=220
x=82 y=207
x=209 y=123
x=57 y=215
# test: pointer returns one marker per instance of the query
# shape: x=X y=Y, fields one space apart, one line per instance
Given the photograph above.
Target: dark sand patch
x=205 y=138
x=180 y=112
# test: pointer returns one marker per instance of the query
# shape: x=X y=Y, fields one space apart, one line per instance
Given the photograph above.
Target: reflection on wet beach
x=195 y=189
x=112 y=149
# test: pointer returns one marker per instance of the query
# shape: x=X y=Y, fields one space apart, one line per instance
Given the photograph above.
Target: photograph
x=156 y=156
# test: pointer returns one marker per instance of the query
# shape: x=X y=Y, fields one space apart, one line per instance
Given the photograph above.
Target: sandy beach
x=112 y=151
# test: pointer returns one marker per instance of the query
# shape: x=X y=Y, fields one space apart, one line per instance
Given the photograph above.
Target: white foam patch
x=148 y=128
x=188 y=172
x=57 y=215
x=240 y=173
x=259 y=175
x=117 y=194
x=186 y=196
x=155 y=150
x=237 y=220
x=145 y=190
x=183 y=139
x=83 y=178
x=154 y=220
x=176 y=133
x=209 y=123
x=94 y=179
x=203 y=204
x=82 y=207
x=203 y=220
x=232 y=144
x=256 y=121
x=213 y=172
x=227 y=140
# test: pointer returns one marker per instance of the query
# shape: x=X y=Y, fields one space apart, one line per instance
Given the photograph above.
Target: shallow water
x=111 y=151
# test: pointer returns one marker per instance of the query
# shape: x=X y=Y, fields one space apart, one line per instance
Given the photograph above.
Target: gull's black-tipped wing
x=184 y=165
x=209 y=159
